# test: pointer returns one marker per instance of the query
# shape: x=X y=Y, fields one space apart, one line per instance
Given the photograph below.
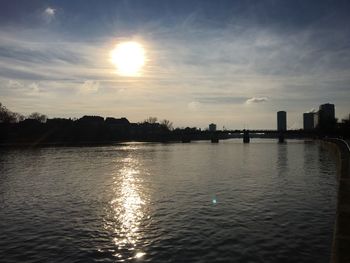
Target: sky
x=233 y=63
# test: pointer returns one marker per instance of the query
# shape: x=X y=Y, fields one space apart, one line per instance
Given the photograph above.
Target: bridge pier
x=214 y=140
x=281 y=137
x=246 y=138
x=185 y=139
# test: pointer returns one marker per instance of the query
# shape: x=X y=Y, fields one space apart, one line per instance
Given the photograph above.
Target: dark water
x=198 y=202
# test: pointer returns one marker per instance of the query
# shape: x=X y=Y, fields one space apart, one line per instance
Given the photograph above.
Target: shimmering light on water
x=140 y=254
x=128 y=204
x=198 y=202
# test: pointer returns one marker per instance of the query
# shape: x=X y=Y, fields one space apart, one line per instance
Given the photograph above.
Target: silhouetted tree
x=167 y=124
x=38 y=116
x=151 y=120
x=19 y=117
x=7 y=116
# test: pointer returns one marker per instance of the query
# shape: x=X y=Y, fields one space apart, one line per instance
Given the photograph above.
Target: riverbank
x=341 y=242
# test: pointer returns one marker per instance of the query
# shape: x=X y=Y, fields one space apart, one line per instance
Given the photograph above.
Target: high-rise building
x=212 y=127
x=326 y=116
x=281 y=121
x=326 y=112
x=309 y=120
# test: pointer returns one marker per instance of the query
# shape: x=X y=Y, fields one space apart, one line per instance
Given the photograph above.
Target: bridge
x=246 y=135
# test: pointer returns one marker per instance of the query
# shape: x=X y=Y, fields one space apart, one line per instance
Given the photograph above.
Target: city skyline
x=233 y=63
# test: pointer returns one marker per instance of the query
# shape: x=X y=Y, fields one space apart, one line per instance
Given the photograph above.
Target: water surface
x=197 y=202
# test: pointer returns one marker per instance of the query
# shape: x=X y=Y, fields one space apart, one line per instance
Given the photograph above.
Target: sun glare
x=129 y=58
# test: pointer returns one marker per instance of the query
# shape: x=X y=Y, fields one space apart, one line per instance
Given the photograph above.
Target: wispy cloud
x=222 y=100
x=89 y=86
x=19 y=89
x=313 y=110
x=256 y=100
x=194 y=105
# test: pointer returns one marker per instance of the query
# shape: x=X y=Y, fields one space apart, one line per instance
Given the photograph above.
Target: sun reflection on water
x=128 y=206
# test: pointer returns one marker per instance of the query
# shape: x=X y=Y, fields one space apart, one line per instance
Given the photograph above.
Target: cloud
x=50 y=11
x=14 y=84
x=49 y=14
x=300 y=66
x=221 y=99
x=24 y=59
x=34 y=87
x=18 y=89
x=194 y=105
x=256 y=100
x=313 y=110
x=89 y=86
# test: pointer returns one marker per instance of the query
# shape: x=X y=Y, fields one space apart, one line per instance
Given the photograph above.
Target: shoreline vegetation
x=37 y=129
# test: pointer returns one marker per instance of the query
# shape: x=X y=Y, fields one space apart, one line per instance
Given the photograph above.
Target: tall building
x=309 y=119
x=212 y=127
x=326 y=116
x=326 y=112
x=281 y=121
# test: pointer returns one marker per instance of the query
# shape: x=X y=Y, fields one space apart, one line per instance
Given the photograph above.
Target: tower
x=281 y=121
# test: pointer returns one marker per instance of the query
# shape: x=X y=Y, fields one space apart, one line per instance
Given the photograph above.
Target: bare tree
x=4 y=114
x=151 y=120
x=38 y=116
x=19 y=117
x=167 y=124
x=8 y=116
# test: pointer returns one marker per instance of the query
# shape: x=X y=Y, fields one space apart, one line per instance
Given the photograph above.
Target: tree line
x=7 y=116
x=37 y=128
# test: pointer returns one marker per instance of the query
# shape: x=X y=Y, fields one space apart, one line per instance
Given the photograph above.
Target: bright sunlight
x=129 y=58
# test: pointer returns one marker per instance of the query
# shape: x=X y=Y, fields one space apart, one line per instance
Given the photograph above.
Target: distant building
x=212 y=127
x=326 y=116
x=281 y=121
x=309 y=120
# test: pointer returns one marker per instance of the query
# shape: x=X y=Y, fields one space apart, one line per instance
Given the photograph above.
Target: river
x=152 y=202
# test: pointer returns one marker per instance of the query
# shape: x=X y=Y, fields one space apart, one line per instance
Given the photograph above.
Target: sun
x=128 y=58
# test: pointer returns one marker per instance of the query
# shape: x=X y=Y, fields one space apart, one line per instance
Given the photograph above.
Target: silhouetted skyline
x=235 y=63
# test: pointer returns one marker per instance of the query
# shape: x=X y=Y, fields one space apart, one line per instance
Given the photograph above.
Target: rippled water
x=197 y=202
